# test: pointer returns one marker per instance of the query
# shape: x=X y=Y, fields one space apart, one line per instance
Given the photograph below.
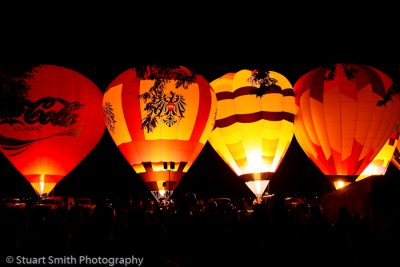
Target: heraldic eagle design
x=170 y=108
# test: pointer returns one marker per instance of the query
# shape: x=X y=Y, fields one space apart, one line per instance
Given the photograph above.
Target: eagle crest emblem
x=167 y=108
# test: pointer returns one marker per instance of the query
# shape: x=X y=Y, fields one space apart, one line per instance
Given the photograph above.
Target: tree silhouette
x=351 y=73
x=14 y=89
x=161 y=74
x=261 y=77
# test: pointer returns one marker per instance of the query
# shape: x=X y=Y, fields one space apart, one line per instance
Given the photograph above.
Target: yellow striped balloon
x=252 y=132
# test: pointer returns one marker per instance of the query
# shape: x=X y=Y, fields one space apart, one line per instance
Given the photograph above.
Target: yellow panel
x=381 y=162
x=237 y=150
x=183 y=128
x=211 y=120
x=217 y=141
x=121 y=133
x=273 y=129
x=247 y=104
x=273 y=102
x=241 y=78
x=187 y=167
x=283 y=82
x=226 y=108
x=232 y=132
x=269 y=147
x=251 y=131
x=223 y=84
x=138 y=168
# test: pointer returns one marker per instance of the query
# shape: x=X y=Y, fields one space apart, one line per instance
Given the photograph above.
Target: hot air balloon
x=58 y=123
x=160 y=118
x=396 y=156
x=380 y=163
x=254 y=124
x=339 y=124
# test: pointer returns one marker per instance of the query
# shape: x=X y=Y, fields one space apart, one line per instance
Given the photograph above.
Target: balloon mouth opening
x=256 y=176
x=341 y=181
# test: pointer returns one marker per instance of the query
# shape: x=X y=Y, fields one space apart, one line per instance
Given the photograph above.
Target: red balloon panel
x=339 y=124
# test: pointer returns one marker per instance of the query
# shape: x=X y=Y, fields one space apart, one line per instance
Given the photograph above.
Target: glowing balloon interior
x=395 y=160
x=159 y=132
x=252 y=131
x=59 y=124
x=339 y=124
x=380 y=163
x=257 y=187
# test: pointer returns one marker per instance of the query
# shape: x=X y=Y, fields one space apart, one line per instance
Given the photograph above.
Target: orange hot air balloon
x=160 y=118
x=339 y=124
x=380 y=163
x=396 y=156
x=254 y=125
x=59 y=123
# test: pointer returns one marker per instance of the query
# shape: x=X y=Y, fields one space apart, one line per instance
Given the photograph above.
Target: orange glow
x=62 y=122
x=258 y=187
x=252 y=133
x=396 y=156
x=380 y=163
x=339 y=184
x=339 y=124
x=184 y=119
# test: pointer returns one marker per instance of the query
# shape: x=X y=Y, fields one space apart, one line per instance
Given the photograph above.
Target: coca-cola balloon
x=58 y=124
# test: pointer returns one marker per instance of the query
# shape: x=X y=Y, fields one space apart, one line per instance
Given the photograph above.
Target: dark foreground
x=193 y=232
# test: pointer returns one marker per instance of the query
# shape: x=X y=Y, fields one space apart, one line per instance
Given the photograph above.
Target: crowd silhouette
x=190 y=231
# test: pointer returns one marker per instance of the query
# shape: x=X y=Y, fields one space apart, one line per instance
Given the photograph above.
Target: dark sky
x=103 y=43
x=105 y=171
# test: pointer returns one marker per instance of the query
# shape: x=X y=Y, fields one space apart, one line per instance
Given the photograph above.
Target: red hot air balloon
x=60 y=122
x=339 y=124
x=160 y=119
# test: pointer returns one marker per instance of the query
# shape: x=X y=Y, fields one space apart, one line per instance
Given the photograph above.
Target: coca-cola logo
x=47 y=110
x=43 y=111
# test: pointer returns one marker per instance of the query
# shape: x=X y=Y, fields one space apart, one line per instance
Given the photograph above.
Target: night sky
x=105 y=171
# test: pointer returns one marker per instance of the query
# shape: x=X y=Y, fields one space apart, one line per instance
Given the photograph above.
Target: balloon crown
x=266 y=83
x=161 y=76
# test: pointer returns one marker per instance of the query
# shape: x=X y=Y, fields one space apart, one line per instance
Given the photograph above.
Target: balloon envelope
x=252 y=133
x=162 y=136
x=395 y=160
x=339 y=124
x=380 y=163
x=60 y=124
